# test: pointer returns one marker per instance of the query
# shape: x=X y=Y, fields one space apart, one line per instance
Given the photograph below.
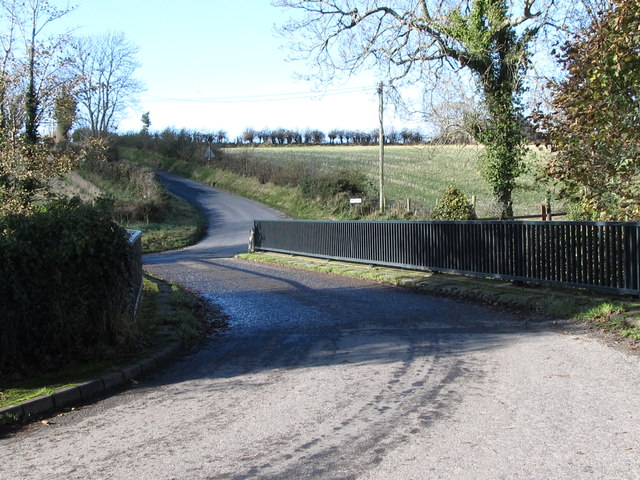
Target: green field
x=420 y=173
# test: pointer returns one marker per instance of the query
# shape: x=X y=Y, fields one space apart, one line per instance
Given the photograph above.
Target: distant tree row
x=281 y=136
x=174 y=142
x=186 y=144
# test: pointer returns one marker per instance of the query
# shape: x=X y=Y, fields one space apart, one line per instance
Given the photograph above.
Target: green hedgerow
x=66 y=285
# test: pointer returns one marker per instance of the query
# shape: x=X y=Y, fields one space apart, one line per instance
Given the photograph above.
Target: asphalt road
x=333 y=378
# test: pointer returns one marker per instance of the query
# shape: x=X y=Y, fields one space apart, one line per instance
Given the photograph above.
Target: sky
x=212 y=65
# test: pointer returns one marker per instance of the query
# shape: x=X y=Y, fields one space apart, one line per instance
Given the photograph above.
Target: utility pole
x=381 y=140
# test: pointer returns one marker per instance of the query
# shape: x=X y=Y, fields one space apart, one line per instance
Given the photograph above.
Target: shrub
x=66 y=285
x=350 y=183
x=453 y=205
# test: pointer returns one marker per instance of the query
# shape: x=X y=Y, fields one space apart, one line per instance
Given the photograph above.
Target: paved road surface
x=333 y=378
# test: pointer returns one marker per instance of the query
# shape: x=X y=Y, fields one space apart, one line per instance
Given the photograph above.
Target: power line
x=269 y=97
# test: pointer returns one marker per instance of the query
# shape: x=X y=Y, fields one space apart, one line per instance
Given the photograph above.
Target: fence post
x=252 y=241
x=631 y=255
x=135 y=255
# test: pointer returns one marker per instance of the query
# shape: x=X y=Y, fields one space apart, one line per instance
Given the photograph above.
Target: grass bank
x=286 y=199
x=140 y=203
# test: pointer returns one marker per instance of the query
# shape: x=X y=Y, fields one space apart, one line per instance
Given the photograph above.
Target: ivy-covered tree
x=64 y=114
x=415 y=40
x=146 y=123
x=594 y=128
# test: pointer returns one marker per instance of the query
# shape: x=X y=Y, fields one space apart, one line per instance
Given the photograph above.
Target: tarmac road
x=326 y=377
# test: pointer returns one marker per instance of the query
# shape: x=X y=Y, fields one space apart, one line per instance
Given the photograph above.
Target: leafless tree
x=31 y=65
x=105 y=67
x=248 y=135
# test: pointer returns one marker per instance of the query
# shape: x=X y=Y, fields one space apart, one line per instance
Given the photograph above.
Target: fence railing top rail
x=134 y=235
x=461 y=222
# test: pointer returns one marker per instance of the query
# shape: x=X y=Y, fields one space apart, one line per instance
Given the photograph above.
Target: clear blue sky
x=217 y=64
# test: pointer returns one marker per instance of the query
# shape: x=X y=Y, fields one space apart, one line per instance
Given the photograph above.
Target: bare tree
x=249 y=135
x=452 y=112
x=105 y=68
x=415 y=40
x=221 y=136
x=31 y=65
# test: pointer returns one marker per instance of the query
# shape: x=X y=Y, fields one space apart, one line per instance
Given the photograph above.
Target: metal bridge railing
x=602 y=255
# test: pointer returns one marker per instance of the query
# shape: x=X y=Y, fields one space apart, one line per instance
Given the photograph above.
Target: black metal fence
x=601 y=255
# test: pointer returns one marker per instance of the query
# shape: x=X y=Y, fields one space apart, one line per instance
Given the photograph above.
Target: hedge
x=65 y=286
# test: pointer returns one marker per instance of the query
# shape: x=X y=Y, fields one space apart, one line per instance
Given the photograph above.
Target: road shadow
x=281 y=318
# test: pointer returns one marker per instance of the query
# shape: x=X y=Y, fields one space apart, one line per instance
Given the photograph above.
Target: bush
x=350 y=183
x=453 y=205
x=66 y=286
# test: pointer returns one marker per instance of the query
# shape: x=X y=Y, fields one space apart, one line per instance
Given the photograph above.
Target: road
x=325 y=377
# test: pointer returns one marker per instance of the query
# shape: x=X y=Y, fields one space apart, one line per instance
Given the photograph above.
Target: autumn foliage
x=594 y=129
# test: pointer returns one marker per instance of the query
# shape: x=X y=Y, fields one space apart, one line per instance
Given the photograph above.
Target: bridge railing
x=601 y=255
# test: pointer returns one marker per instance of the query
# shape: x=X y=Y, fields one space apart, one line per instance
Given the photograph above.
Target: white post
x=381 y=140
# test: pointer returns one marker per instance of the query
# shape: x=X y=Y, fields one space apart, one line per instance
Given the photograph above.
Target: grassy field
x=420 y=173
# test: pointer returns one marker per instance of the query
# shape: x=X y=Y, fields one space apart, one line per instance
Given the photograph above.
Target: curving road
x=334 y=378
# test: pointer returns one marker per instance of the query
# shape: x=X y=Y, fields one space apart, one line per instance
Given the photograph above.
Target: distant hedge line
x=65 y=286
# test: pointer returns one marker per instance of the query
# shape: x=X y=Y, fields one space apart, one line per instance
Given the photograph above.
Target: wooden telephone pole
x=381 y=140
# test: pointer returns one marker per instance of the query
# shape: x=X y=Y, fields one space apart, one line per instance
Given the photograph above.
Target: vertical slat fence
x=601 y=255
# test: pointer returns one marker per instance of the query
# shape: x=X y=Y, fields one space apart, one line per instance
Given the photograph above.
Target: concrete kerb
x=67 y=396
x=77 y=394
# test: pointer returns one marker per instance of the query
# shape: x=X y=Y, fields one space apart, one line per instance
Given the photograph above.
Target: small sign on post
x=354 y=201
x=208 y=154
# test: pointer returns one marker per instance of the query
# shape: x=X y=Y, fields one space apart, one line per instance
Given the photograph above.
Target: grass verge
x=183 y=225
x=168 y=314
x=285 y=199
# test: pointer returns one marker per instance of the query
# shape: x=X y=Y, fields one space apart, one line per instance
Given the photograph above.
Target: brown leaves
x=595 y=128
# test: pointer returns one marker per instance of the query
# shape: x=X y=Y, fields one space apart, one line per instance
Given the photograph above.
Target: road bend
x=326 y=377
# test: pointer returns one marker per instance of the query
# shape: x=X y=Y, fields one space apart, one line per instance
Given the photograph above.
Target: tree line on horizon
x=282 y=136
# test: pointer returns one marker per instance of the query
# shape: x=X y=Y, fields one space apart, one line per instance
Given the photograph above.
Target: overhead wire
x=268 y=97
